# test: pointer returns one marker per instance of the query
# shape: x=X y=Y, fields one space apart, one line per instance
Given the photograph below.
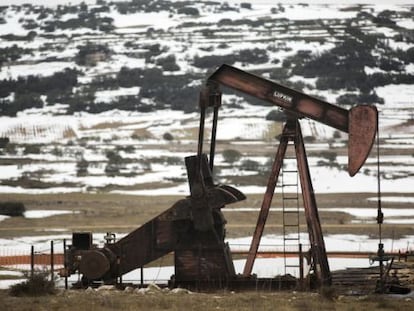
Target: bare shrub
x=12 y=208
x=37 y=284
x=231 y=155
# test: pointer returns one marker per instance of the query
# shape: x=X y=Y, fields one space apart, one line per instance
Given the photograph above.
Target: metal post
x=52 y=260
x=142 y=276
x=380 y=220
x=311 y=213
x=32 y=261
x=65 y=265
x=301 y=272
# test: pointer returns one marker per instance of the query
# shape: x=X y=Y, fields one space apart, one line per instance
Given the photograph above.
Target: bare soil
x=103 y=212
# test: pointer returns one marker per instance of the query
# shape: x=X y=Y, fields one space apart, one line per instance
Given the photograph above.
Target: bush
x=57 y=152
x=213 y=61
x=4 y=141
x=254 y=56
x=82 y=167
x=246 y=5
x=168 y=63
x=11 y=149
x=114 y=165
x=276 y=115
x=309 y=139
x=329 y=155
x=231 y=155
x=12 y=208
x=349 y=99
x=36 y=285
x=32 y=149
x=91 y=53
x=250 y=165
x=188 y=11
x=168 y=136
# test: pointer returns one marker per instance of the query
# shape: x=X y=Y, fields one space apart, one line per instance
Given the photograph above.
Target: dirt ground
x=102 y=212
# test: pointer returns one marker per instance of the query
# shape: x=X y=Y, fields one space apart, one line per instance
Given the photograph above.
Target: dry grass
x=223 y=300
x=69 y=133
x=37 y=284
x=142 y=133
x=107 y=125
x=273 y=131
x=123 y=213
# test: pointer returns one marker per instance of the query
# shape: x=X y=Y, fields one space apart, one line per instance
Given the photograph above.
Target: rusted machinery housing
x=194 y=227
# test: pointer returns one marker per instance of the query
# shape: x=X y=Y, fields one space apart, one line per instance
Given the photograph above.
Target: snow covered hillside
x=103 y=97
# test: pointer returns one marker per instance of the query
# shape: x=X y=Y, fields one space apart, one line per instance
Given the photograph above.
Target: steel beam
x=360 y=122
x=267 y=201
x=297 y=103
x=311 y=212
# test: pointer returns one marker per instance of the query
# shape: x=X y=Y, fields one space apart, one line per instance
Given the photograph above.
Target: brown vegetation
x=223 y=300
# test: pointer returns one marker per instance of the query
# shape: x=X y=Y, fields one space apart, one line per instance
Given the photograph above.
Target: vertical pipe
x=52 y=261
x=380 y=219
x=32 y=261
x=142 y=276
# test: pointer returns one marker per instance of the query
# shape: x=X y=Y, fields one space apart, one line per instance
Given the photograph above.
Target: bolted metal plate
x=363 y=124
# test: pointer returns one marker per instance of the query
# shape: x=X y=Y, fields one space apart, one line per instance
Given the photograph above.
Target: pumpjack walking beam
x=360 y=122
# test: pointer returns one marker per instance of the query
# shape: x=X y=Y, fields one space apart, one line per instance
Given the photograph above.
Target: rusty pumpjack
x=194 y=227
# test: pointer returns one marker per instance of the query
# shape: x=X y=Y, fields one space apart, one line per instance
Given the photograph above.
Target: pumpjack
x=194 y=227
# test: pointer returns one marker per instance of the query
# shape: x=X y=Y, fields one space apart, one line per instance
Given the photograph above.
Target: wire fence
x=33 y=258
x=49 y=257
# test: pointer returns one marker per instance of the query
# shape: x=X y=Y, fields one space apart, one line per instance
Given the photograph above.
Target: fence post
x=301 y=270
x=52 y=260
x=142 y=276
x=65 y=266
x=32 y=261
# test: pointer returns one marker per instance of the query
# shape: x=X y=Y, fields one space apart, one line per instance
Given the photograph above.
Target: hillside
x=146 y=56
x=104 y=97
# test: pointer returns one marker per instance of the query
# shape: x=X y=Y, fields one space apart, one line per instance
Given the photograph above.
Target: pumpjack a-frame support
x=319 y=260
